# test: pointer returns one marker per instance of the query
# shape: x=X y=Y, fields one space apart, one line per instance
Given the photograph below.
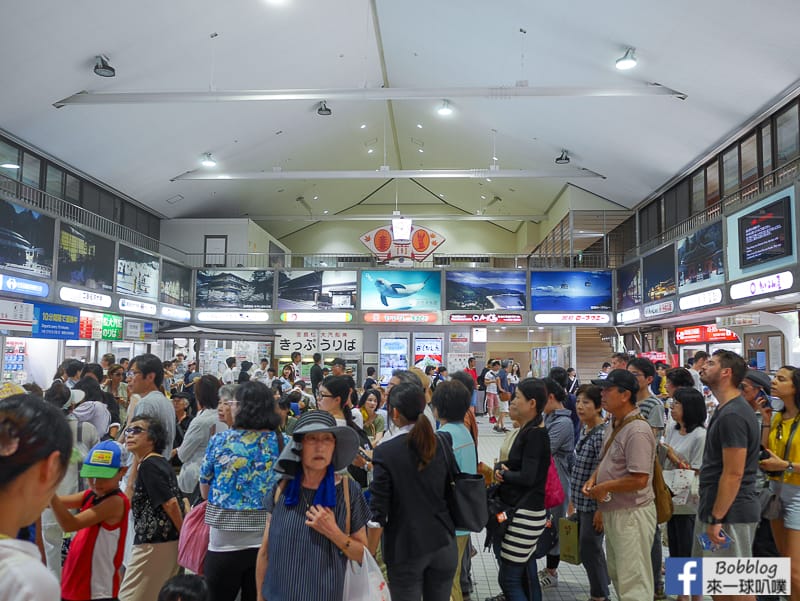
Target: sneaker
x=496 y=429
x=500 y=597
x=503 y=429
x=547 y=580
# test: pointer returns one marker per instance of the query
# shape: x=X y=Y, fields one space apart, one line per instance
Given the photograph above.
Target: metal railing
x=727 y=204
x=18 y=192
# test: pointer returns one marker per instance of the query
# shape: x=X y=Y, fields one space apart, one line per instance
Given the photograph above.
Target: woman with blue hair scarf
x=314 y=523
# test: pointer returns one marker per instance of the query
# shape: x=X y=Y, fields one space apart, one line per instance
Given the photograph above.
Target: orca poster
x=401 y=290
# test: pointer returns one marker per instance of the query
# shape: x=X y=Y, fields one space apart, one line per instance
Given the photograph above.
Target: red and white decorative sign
x=592 y=318
x=16 y=316
x=659 y=308
x=655 y=356
x=422 y=243
x=401 y=317
x=486 y=318
x=705 y=333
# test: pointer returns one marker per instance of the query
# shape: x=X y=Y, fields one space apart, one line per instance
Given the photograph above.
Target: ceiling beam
x=277 y=174
x=387 y=216
x=86 y=97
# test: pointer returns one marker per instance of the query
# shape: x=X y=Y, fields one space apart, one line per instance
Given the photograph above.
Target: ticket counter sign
x=54 y=321
x=100 y=326
x=703 y=334
x=16 y=316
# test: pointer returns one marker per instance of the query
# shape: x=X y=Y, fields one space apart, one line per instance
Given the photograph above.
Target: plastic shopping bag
x=365 y=582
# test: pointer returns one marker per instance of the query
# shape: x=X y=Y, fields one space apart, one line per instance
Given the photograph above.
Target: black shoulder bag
x=466 y=493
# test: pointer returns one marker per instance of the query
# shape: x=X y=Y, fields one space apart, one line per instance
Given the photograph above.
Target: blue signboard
x=10 y=283
x=54 y=321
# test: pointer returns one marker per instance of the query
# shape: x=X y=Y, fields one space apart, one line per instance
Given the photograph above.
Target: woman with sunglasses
x=117 y=387
x=157 y=510
x=35 y=448
x=783 y=445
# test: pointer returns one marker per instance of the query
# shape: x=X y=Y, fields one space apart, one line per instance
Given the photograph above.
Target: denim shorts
x=790 y=503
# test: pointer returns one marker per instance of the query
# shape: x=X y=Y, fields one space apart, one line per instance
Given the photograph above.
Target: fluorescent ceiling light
x=9 y=166
x=627 y=60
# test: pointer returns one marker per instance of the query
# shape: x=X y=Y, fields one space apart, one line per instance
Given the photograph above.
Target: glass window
x=54 y=182
x=31 y=170
x=766 y=148
x=698 y=192
x=91 y=198
x=155 y=227
x=749 y=152
x=72 y=189
x=108 y=206
x=730 y=171
x=128 y=215
x=9 y=155
x=787 y=128
x=712 y=183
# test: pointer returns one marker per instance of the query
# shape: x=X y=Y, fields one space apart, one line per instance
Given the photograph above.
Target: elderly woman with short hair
x=237 y=476
x=317 y=519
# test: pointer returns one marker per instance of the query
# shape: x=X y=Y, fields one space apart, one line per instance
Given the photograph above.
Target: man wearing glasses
x=145 y=377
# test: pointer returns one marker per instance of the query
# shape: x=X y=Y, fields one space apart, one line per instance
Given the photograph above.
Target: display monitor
x=571 y=291
x=400 y=290
x=765 y=234
x=85 y=259
x=320 y=290
x=240 y=289
x=658 y=270
x=485 y=290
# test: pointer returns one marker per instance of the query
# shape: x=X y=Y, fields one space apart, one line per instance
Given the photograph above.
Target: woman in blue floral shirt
x=587 y=458
x=236 y=478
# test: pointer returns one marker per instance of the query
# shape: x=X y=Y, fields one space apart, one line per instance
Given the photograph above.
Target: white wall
x=42 y=359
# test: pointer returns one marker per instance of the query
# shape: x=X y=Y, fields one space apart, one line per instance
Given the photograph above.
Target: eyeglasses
x=230 y=402
x=325 y=396
x=116 y=374
x=135 y=430
x=133 y=373
x=637 y=374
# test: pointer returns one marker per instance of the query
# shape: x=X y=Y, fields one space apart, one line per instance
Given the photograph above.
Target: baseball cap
x=621 y=378
x=8 y=389
x=338 y=361
x=103 y=461
x=760 y=379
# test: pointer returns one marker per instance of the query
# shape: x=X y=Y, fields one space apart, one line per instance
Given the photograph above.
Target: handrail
x=21 y=193
x=725 y=205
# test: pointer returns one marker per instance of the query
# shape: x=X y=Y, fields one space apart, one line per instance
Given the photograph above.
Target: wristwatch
x=714 y=521
x=790 y=467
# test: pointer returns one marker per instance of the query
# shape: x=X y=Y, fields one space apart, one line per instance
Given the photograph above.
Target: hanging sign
x=592 y=318
x=742 y=319
x=84 y=297
x=764 y=285
x=135 y=306
x=303 y=341
x=659 y=308
x=327 y=316
x=53 y=321
x=401 y=317
x=100 y=326
x=704 y=333
x=341 y=341
x=423 y=242
x=628 y=315
x=485 y=318
x=17 y=285
x=701 y=299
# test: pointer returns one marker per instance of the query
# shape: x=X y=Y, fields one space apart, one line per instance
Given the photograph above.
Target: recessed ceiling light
x=102 y=68
x=420 y=150
x=563 y=158
x=419 y=125
x=325 y=212
x=488 y=179
x=483 y=196
x=208 y=160
x=627 y=60
x=316 y=198
x=441 y=195
x=581 y=232
x=9 y=166
x=494 y=158
x=363 y=126
x=370 y=150
x=444 y=110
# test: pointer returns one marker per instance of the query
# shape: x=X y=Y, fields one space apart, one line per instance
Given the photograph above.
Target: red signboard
x=703 y=334
x=485 y=318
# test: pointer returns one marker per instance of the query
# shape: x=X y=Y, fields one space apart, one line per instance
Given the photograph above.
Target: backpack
x=481 y=384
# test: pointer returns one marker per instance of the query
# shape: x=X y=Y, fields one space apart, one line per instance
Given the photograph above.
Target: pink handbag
x=553 y=491
x=193 y=541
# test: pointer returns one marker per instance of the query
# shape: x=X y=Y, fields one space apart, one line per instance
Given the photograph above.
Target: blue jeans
x=519 y=581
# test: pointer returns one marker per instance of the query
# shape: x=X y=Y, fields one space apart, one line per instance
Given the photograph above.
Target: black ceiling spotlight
x=102 y=68
x=563 y=158
x=323 y=110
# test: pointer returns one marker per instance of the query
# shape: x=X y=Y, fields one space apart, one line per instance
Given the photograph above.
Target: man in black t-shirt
x=728 y=496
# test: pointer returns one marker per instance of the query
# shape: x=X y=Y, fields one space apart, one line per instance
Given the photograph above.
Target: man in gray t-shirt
x=728 y=497
x=146 y=376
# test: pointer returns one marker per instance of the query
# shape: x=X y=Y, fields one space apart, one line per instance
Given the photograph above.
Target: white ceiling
x=730 y=63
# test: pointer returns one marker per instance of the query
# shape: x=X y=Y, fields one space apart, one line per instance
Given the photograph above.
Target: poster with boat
x=571 y=291
x=658 y=273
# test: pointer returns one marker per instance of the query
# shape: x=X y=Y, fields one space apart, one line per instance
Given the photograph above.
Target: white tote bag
x=365 y=582
x=684 y=485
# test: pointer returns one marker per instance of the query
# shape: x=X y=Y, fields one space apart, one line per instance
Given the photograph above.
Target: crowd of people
x=99 y=472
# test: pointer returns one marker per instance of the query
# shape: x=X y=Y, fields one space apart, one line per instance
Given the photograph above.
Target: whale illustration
x=389 y=290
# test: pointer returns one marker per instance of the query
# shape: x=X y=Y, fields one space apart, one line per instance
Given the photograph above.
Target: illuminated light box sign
x=136 y=329
x=701 y=299
x=485 y=290
x=325 y=341
x=85 y=259
x=704 y=333
x=655 y=356
x=479 y=334
x=571 y=291
x=400 y=290
x=629 y=285
x=231 y=316
x=486 y=318
x=175 y=286
x=175 y=313
x=100 y=326
x=26 y=240
x=659 y=309
x=700 y=259
x=134 y=306
x=658 y=274
x=235 y=289
x=322 y=290
x=628 y=315
x=137 y=273
x=401 y=317
x=53 y=321
x=16 y=316
x=427 y=351
x=328 y=316
x=15 y=285
x=572 y=318
x=766 y=233
x=84 y=297
x=763 y=285
x=743 y=319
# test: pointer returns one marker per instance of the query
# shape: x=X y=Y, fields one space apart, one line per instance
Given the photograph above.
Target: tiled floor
x=572 y=582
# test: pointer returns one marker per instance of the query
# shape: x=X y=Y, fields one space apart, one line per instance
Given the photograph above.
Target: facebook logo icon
x=684 y=576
